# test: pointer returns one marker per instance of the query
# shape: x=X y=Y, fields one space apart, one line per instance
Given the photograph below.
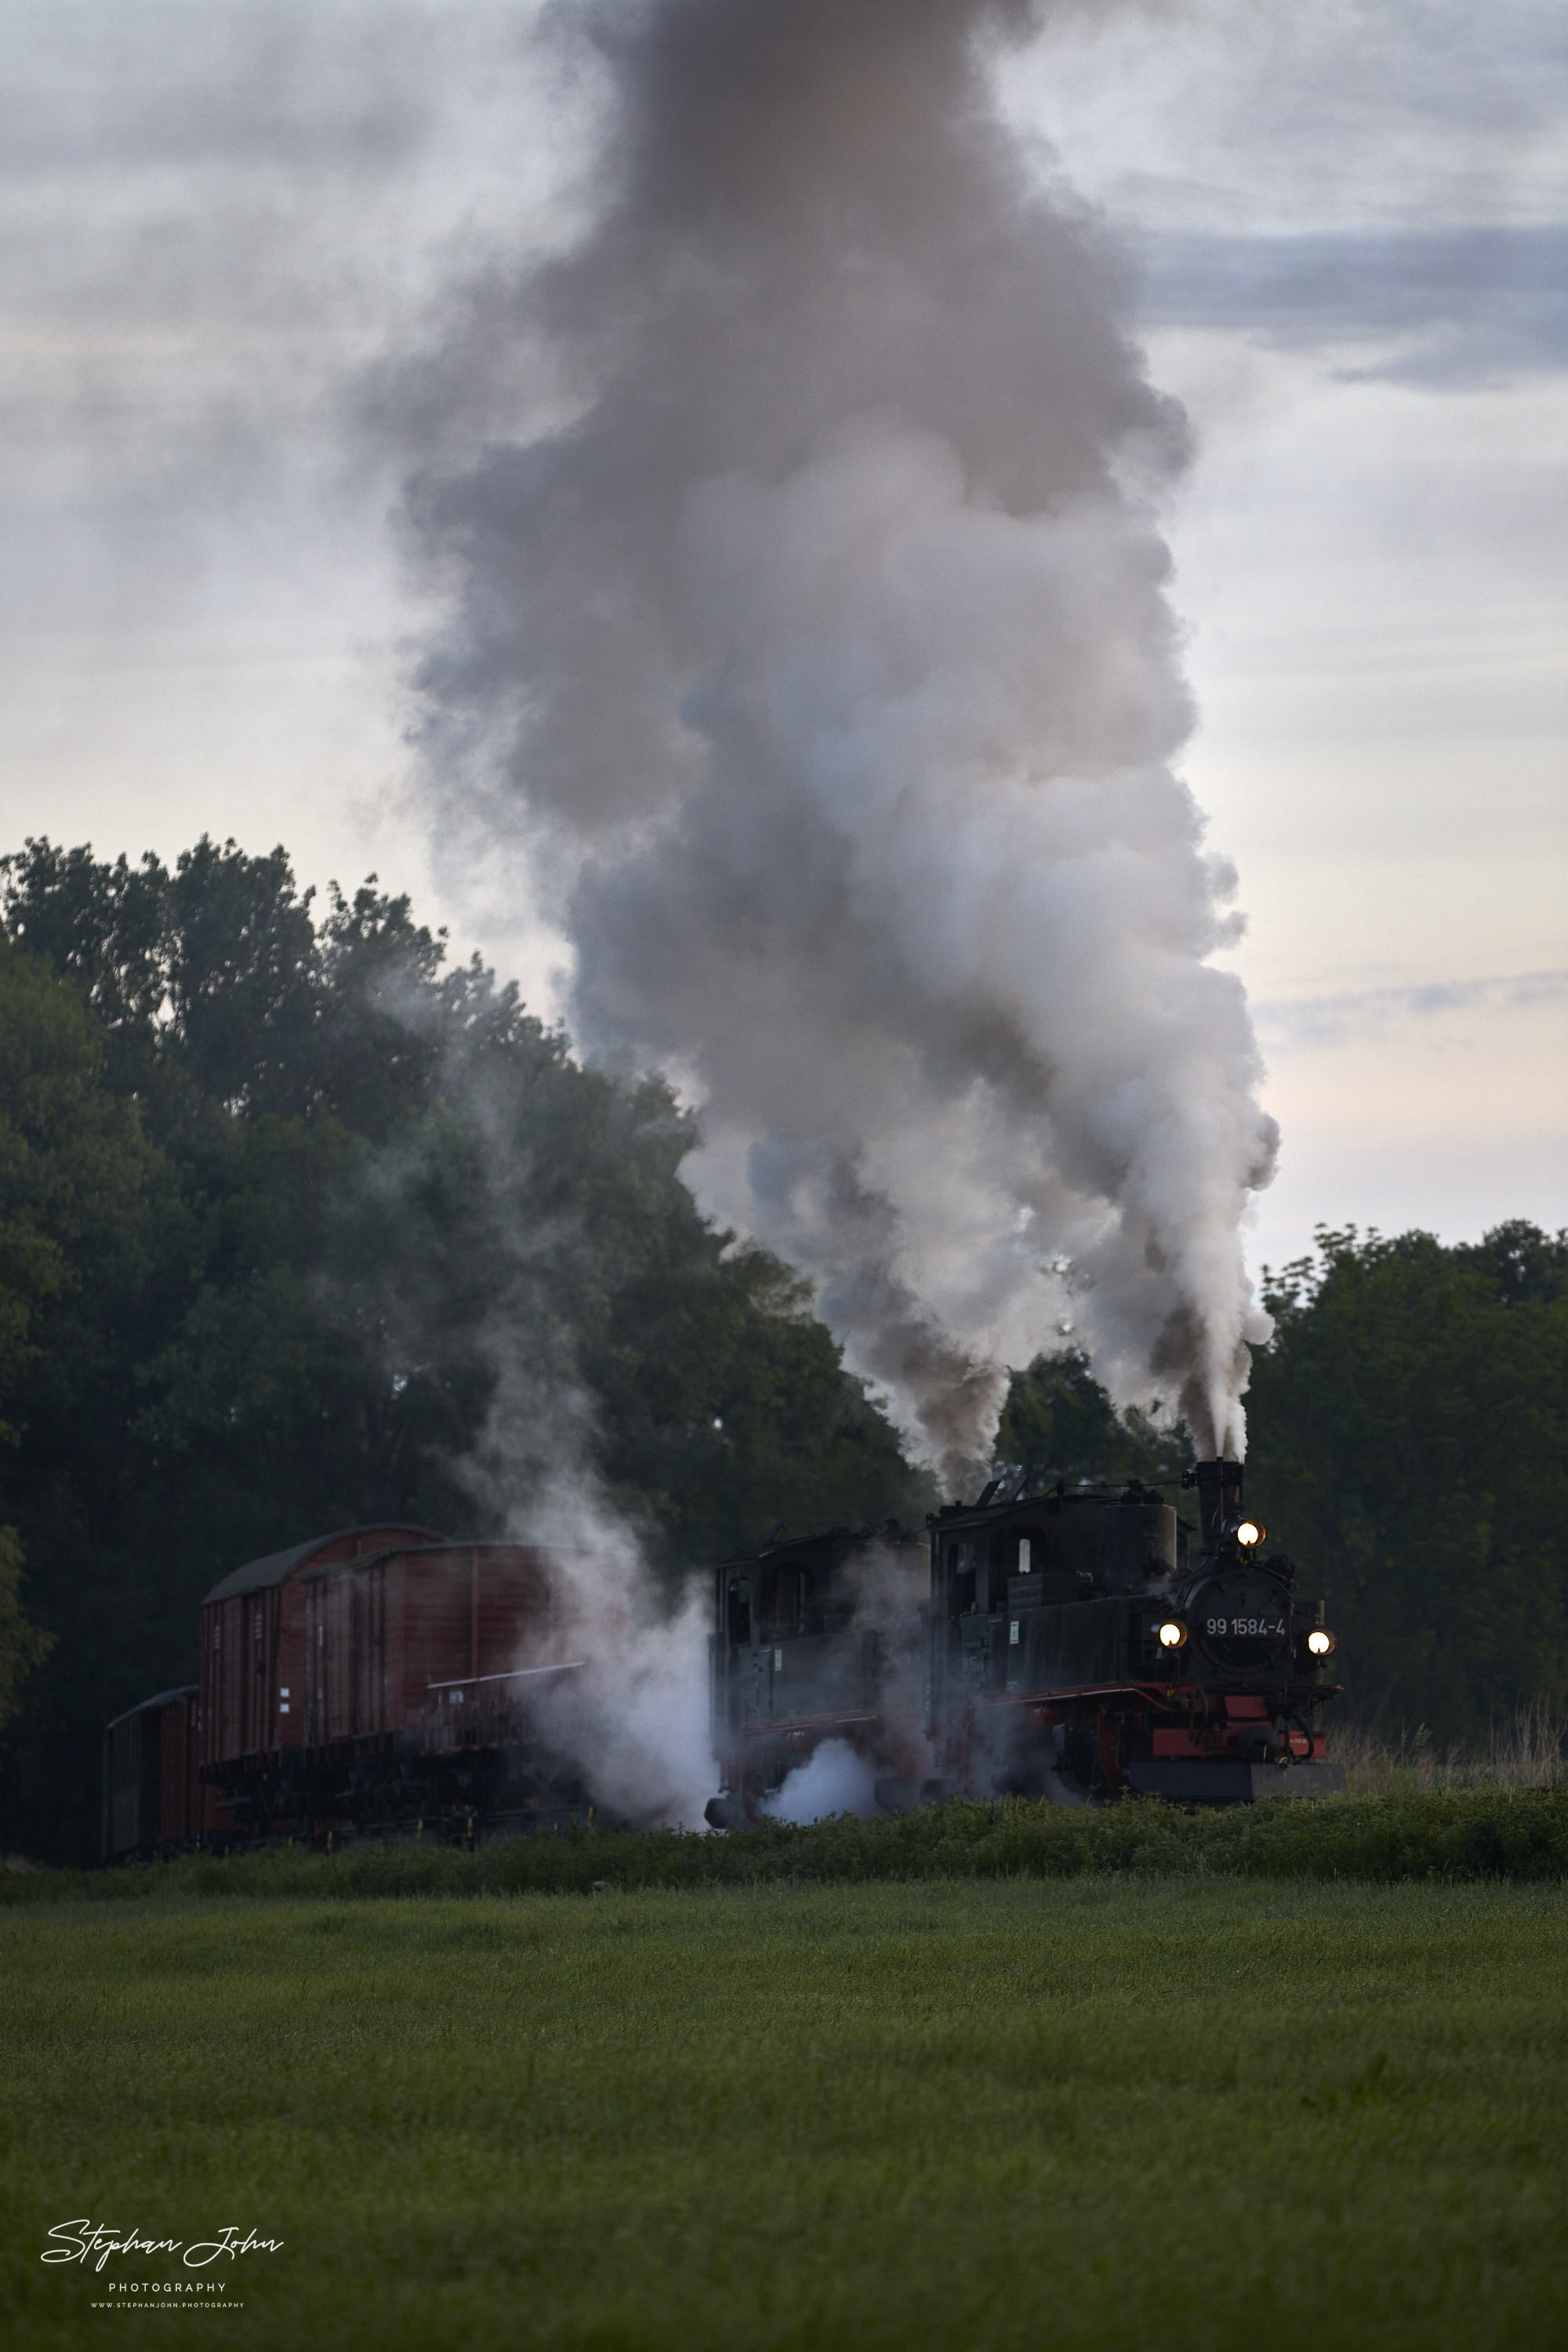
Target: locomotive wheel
x=1059 y=1789
x=1078 y=1768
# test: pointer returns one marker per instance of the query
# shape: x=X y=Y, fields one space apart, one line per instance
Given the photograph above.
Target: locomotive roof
x=274 y=1566
x=1131 y=1492
x=782 y=1546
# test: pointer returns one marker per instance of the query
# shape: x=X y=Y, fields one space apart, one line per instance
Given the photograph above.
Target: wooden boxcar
x=154 y=1798
x=317 y=1664
x=381 y=1628
x=252 y=1633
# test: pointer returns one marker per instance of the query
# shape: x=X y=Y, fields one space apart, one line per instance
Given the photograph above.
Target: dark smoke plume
x=806 y=629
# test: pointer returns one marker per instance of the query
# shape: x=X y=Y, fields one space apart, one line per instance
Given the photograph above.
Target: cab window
x=789 y=1592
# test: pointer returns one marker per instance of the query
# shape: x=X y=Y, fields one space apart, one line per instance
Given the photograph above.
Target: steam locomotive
x=1072 y=1644
x=1067 y=1644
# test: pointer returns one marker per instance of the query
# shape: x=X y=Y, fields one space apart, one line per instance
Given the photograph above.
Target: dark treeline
x=1408 y=1448
x=1410 y=1430
x=301 y=1227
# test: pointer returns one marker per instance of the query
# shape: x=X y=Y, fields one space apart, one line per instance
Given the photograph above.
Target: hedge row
x=1481 y=1833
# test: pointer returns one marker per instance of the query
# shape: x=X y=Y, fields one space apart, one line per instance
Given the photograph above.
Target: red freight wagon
x=253 y=1646
x=152 y=1794
x=379 y=1629
x=316 y=1663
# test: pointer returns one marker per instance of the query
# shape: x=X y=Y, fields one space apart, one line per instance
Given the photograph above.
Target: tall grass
x=1527 y=1750
x=1408 y=1812
x=1435 y=1834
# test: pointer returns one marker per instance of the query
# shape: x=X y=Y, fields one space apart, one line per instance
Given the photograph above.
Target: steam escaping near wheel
x=832 y=1780
x=806 y=631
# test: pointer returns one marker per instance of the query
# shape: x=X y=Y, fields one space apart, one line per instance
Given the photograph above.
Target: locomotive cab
x=1031 y=1595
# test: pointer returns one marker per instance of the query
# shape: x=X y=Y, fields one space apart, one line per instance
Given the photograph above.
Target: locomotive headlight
x=1173 y=1633
x=1320 y=1642
x=1250 y=1533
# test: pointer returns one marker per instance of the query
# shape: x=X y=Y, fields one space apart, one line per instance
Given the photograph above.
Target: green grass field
x=1089 y=2112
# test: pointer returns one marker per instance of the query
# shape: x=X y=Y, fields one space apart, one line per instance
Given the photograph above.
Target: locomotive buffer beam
x=1213 y=1746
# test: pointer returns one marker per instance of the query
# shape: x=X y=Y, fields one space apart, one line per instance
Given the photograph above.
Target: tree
x=1058 y=1423
x=23 y=1646
x=73 y=1173
x=1410 y=1421
x=361 y=1239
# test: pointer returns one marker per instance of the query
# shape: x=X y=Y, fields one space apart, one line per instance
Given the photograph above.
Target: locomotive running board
x=783 y=1727
x=1182 y=1698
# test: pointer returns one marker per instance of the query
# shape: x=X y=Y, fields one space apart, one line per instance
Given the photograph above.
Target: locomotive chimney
x=1219 y=1498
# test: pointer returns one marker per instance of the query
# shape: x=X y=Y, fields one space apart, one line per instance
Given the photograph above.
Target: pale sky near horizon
x=1349 y=227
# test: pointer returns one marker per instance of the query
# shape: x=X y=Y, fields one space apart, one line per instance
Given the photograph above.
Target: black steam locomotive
x=1067 y=1644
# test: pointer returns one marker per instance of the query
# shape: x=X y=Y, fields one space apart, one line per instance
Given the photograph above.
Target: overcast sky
x=1348 y=227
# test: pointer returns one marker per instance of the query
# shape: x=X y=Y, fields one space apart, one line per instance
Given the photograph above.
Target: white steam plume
x=807 y=622
x=832 y=1780
x=633 y=1719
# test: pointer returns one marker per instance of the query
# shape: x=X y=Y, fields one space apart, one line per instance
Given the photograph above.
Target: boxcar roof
x=276 y=1565
x=185 y=1690
x=393 y=1552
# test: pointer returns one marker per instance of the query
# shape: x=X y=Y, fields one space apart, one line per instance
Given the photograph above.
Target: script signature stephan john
x=84 y=2238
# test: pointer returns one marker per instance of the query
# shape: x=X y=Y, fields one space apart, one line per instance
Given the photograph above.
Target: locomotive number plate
x=1244 y=1628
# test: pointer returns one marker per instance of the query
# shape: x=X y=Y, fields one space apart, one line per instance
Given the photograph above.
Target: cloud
x=1265 y=117
x=1350 y=1016
x=1450 y=308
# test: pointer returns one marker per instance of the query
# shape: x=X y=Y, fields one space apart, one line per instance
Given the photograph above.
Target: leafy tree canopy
x=1058 y=1423
x=1409 y=1433
x=300 y=1227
